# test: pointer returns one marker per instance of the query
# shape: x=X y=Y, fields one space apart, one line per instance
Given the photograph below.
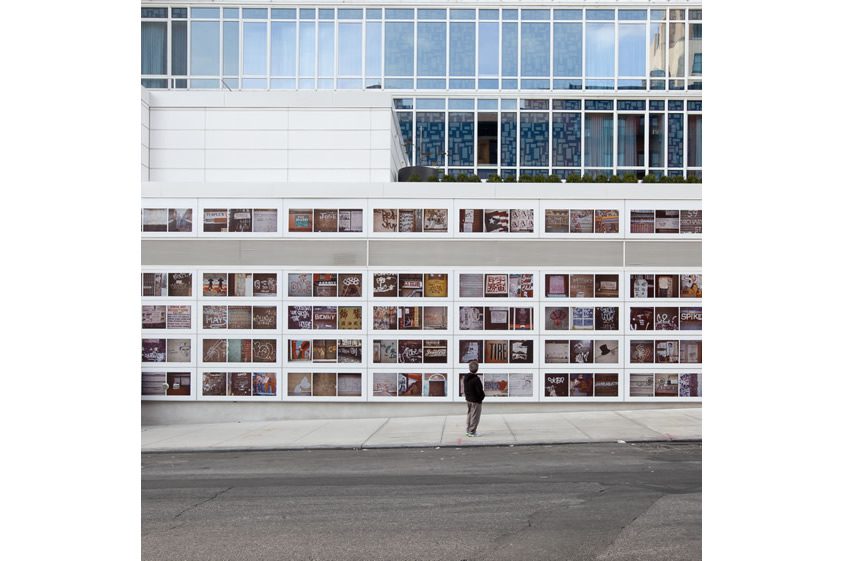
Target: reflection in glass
x=632 y=47
x=675 y=140
x=487 y=139
x=373 y=53
x=179 y=49
x=489 y=43
x=567 y=49
x=567 y=139
x=599 y=139
x=508 y=139
x=694 y=47
x=405 y=123
x=306 y=49
x=534 y=139
x=204 y=48
x=254 y=48
x=429 y=138
x=283 y=48
x=400 y=49
x=231 y=49
x=509 y=49
x=153 y=47
x=460 y=130
x=694 y=141
x=326 y=46
x=599 y=50
x=535 y=53
x=656 y=140
x=657 y=49
x=630 y=140
x=432 y=43
x=462 y=49
x=350 y=49
x=676 y=56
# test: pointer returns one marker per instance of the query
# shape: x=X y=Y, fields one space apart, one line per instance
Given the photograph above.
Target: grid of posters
x=665 y=221
x=409 y=285
x=325 y=220
x=240 y=220
x=496 y=220
x=410 y=220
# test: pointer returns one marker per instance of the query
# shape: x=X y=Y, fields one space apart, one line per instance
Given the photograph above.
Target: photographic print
x=180 y=220
x=581 y=385
x=462 y=382
x=435 y=285
x=521 y=319
x=301 y=220
x=522 y=220
x=435 y=351
x=349 y=384
x=350 y=220
x=691 y=286
x=385 y=220
x=410 y=285
x=557 y=351
x=555 y=385
x=556 y=221
x=384 y=351
x=581 y=351
x=520 y=352
x=496 y=220
x=410 y=220
x=214 y=350
x=178 y=317
x=265 y=350
x=215 y=220
x=410 y=351
x=325 y=220
x=324 y=317
x=153 y=350
x=556 y=285
x=435 y=317
x=410 y=385
x=152 y=383
x=239 y=220
x=606 y=385
x=581 y=221
x=239 y=317
x=214 y=284
x=521 y=285
x=496 y=352
x=299 y=384
x=582 y=318
x=607 y=318
x=642 y=351
x=350 y=285
x=496 y=385
x=666 y=351
x=666 y=222
x=691 y=352
x=349 y=351
x=324 y=384
x=642 y=286
x=154 y=220
x=607 y=221
x=666 y=385
x=179 y=383
x=300 y=285
x=471 y=285
x=471 y=220
x=153 y=317
x=641 y=385
x=581 y=286
x=214 y=383
x=153 y=284
x=265 y=220
x=435 y=385
x=666 y=318
x=178 y=350
x=557 y=318
x=471 y=318
x=470 y=349
x=496 y=286
x=384 y=317
x=324 y=350
x=385 y=285
x=435 y=220
x=606 y=351
x=642 y=222
x=325 y=285
x=607 y=286
x=691 y=221
x=690 y=385
x=239 y=350
x=385 y=384
x=264 y=384
x=690 y=319
x=300 y=317
x=409 y=317
x=667 y=286
x=520 y=384
x=299 y=350
x=240 y=285
x=264 y=317
x=496 y=318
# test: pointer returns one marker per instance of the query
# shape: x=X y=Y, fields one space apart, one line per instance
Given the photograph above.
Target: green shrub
x=614 y=179
x=601 y=178
x=630 y=178
x=474 y=179
x=510 y=179
x=433 y=179
x=587 y=178
x=574 y=178
x=693 y=179
x=553 y=178
x=650 y=178
x=448 y=178
x=526 y=179
x=494 y=179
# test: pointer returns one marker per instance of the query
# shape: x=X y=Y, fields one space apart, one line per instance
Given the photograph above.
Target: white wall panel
x=333 y=139
x=157 y=174
x=331 y=175
x=246 y=139
x=257 y=175
x=177 y=158
x=177 y=139
x=251 y=119
x=246 y=159
x=179 y=119
x=331 y=159
x=348 y=119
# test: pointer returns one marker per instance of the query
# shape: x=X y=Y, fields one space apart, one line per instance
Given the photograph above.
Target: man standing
x=474 y=394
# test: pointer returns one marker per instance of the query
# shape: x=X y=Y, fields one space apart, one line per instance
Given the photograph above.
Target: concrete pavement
x=639 y=425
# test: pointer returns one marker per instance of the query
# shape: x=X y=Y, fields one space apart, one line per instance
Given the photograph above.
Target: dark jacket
x=473 y=389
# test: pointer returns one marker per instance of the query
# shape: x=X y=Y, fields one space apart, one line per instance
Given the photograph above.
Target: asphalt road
x=606 y=502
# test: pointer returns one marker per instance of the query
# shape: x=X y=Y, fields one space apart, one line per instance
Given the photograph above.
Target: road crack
x=200 y=503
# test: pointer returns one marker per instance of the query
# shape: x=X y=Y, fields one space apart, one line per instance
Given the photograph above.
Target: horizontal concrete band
x=456 y=253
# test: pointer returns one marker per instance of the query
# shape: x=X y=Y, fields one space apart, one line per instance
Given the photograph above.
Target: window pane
x=509 y=49
x=350 y=49
x=508 y=139
x=694 y=140
x=179 y=48
x=489 y=42
x=432 y=44
x=535 y=56
x=656 y=140
x=326 y=46
x=567 y=139
x=462 y=49
x=283 y=48
x=599 y=50
x=695 y=49
x=254 y=48
x=675 y=140
x=567 y=49
x=657 y=49
x=632 y=46
x=153 y=48
x=204 y=48
x=676 y=50
x=630 y=140
x=405 y=123
x=460 y=149
x=534 y=139
x=231 y=48
x=373 y=36
x=599 y=139
x=400 y=49
x=429 y=138
x=487 y=138
x=307 y=49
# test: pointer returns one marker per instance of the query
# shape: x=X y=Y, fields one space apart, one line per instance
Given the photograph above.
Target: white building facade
x=288 y=273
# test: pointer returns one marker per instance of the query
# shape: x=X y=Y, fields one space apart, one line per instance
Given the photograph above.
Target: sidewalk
x=639 y=425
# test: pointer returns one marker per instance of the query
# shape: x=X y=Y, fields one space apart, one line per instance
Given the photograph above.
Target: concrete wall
x=270 y=136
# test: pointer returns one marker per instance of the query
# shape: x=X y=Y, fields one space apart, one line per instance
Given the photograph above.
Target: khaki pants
x=474 y=410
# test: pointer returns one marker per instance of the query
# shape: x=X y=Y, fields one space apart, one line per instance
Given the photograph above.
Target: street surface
x=605 y=502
